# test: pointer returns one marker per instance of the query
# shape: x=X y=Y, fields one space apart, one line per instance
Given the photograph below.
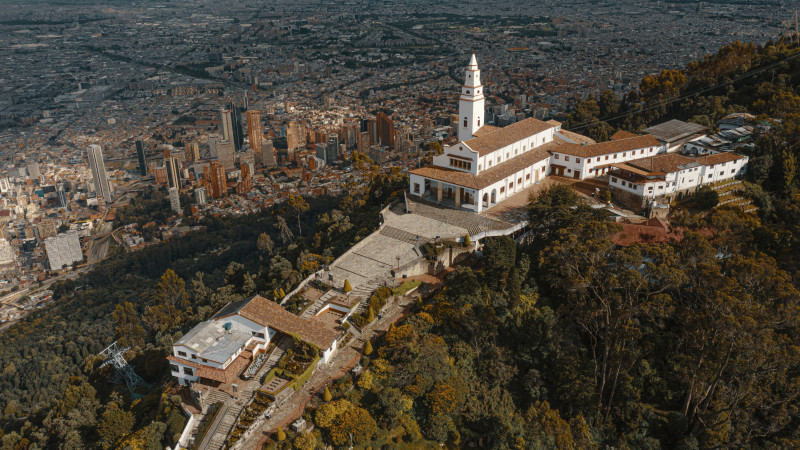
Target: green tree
x=706 y=198
x=115 y=424
x=368 y=348
x=355 y=424
x=128 y=328
x=265 y=243
x=297 y=205
x=284 y=232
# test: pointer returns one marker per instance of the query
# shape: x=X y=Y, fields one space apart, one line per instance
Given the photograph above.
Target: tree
x=327 y=413
x=265 y=243
x=305 y=441
x=467 y=241
x=370 y=315
x=170 y=297
x=355 y=424
x=280 y=435
x=283 y=230
x=128 y=328
x=114 y=425
x=326 y=395
x=298 y=206
x=347 y=287
x=368 y=348
x=706 y=198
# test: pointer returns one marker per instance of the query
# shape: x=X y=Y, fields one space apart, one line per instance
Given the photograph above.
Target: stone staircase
x=225 y=426
x=312 y=310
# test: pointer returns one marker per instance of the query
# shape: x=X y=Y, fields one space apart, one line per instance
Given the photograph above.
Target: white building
x=8 y=259
x=490 y=164
x=175 y=200
x=667 y=177
x=63 y=250
x=219 y=349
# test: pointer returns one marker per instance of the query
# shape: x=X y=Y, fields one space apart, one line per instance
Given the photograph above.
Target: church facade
x=490 y=164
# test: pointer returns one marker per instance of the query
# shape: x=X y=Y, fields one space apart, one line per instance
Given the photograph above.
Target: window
x=606 y=157
x=502 y=189
x=566 y=158
x=527 y=177
x=733 y=170
x=511 y=185
x=613 y=179
x=460 y=164
x=578 y=160
x=194 y=356
x=180 y=353
x=465 y=122
x=556 y=155
x=174 y=368
x=479 y=121
x=615 y=156
x=542 y=169
x=416 y=188
x=623 y=154
x=188 y=371
x=710 y=175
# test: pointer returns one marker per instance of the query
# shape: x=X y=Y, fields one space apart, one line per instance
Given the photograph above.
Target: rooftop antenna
x=123 y=372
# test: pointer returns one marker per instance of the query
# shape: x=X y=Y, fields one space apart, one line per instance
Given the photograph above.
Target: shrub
x=368 y=348
x=706 y=198
x=347 y=287
x=326 y=396
x=281 y=436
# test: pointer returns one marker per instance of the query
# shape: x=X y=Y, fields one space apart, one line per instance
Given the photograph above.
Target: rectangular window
x=519 y=180
x=623 y=154
x=613 y=179
x=188 y=371
x=511 y=185
x=194 y=356
x=606 y=157
x=615 y=156
x=174 y=368
x=577 y=160
x=261 y=335
x=566 y=158
x=733 y=170
x=502 y=189
x=527 y=177
x=180 y=353
x=556 y=155
x=416 y=188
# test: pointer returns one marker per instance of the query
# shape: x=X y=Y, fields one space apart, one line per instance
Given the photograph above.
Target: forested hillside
x=572 y=342
x=52 y=393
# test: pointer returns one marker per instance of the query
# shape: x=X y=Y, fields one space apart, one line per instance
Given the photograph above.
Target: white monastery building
x=490 y=164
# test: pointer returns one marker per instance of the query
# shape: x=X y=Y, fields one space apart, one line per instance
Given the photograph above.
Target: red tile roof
x=268 y=313
x=503 y=137
x=609 y=147
x=622 y=134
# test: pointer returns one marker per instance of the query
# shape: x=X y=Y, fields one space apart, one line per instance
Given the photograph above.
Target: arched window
x=467 y=92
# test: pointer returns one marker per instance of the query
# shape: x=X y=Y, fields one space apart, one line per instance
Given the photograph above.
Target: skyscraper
x=268 y=157
x=200 y=196
x=192 y=151
x=98 y=168
x=175 y=200
x=226 y=154
x=246 y=182
x=173 y=174
x=385 y=128
x=236 y=122
x=254 y=132
x=142 y=157
x=227 y=125
x=219 y=185
x=63 y=201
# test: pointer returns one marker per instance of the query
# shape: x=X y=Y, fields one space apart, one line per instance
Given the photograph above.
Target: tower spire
x=471 y=103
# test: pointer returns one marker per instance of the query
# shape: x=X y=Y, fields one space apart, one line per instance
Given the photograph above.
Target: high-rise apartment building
x=385 y=129
x=219 y=185
x=173 y=171
x=268 y=158
x=226 y=154
x=200 y=196
x=192 y=152
x=246 y=182
x=254 y=131
x=99 y=175
x=175 y=200
x=63 y=250
x=141 y=157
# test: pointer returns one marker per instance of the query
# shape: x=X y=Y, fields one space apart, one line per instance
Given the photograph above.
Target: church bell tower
x=471 y=103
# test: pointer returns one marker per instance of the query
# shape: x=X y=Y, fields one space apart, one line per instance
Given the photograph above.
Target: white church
x=490 y=164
